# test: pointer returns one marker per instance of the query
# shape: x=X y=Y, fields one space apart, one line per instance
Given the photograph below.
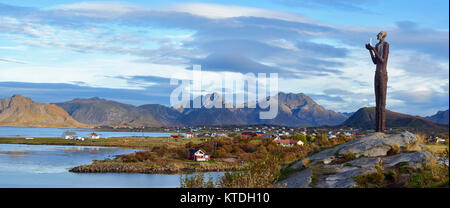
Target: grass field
x=136 y=142
x=437 y=149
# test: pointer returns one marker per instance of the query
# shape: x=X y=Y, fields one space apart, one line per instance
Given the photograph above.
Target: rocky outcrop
x=337 y=167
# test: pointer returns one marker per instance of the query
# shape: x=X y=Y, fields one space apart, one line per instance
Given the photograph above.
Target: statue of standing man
x=379 y=55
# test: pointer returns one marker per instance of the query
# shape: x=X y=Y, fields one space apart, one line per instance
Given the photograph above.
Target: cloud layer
x=116 y=46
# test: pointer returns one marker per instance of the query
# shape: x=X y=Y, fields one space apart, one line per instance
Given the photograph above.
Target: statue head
x=381 y=35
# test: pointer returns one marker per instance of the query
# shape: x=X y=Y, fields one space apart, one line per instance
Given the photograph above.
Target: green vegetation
x=431 y=175
x=371 y=180
x=264 y=159
x=134 y=142
x=349 y=156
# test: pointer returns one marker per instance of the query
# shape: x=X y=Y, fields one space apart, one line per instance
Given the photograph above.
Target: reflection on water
x=47 y=166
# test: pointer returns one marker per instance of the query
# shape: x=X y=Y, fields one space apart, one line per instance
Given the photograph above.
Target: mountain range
x=293 y=110
x=296 y=110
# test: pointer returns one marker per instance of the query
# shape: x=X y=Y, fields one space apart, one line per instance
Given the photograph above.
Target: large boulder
x=377 y=144
x=331 y=170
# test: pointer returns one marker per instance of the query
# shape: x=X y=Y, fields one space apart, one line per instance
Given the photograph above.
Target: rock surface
x=330 y=169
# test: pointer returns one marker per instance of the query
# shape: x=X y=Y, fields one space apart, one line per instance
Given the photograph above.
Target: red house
x=95 y=136
x=198 y=155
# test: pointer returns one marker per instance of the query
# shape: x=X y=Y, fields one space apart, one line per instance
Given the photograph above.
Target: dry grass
x=306 y=162
x=416 y=146
x=438 y=149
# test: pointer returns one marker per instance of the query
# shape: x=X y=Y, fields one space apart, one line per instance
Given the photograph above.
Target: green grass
x=139 y=143
x=286 y=172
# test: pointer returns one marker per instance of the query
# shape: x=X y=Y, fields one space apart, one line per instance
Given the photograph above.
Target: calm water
x=47 y=166
x=57 y=132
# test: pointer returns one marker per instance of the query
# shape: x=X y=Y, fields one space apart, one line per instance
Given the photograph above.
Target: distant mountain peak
x=440 y=117
x=365 y=118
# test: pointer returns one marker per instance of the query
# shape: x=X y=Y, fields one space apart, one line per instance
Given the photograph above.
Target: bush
x=371 y=180
x=195 y=181
x=432 y=175
x=259 y=174
x=395 y=149
x=349 y=156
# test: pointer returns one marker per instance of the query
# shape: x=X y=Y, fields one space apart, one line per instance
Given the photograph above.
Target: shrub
x=195 y=181
x=405 y=169
x=371 y=180
x=395 y=149
x=391 y=175
x=259 y=174
x=305 y=162
x=415 y=147
x=349 y=156
x=433 y=174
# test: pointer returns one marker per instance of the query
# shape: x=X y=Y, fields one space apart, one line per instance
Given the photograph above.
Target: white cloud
x=216 y=11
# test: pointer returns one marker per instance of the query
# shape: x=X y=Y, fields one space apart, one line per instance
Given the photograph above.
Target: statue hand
x=369 y=47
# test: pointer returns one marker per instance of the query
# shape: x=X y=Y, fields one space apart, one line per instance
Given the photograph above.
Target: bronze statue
x=380 y=59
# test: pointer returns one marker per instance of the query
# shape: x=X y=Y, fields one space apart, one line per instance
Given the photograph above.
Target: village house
x=440 y=141
x=198 y=155
x=94 y=136
x=288 y=142
x=69 y=135
x=190 y=135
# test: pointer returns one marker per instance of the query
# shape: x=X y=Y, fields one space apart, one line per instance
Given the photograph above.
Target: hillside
x=365 y=118
x=21 y=111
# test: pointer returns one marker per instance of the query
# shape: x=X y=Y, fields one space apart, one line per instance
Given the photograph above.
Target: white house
x=69 y=135
x=440 y=141
x=190 y=134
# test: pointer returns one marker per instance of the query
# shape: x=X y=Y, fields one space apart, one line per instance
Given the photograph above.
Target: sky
x=127 y=51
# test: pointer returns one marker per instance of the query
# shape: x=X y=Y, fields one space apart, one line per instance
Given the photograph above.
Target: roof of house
x=94 y=134
x=193 y=151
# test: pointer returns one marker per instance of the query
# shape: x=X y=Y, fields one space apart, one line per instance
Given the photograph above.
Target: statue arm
x=386 y=53
x=373 y=57
x=370 y=48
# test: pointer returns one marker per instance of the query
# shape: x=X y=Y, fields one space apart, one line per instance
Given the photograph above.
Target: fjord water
x=6 y=131
x=46 y=166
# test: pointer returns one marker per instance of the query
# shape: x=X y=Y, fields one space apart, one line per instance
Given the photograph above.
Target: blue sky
x=54 y=51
